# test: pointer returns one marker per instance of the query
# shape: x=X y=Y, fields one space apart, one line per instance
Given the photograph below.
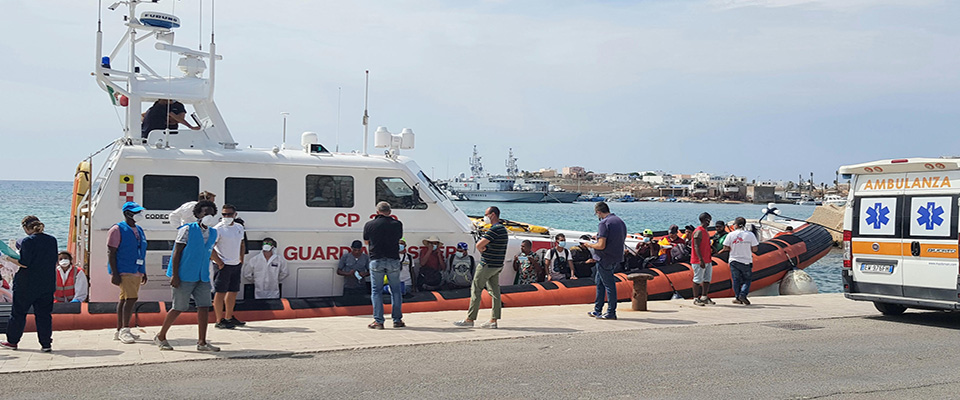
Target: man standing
x=266 y=270
x=354 y=267
x=382 y=235
x=189 y=272
x=557 y=261
x=126 y=252
x=741 y=244
x=701 y=260
x=184 y=214
x=493 y=250
x=611 y=234
x=33 y=285
x=227 y=256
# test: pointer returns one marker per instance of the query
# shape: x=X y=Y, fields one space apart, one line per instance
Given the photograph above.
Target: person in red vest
x=71 y=281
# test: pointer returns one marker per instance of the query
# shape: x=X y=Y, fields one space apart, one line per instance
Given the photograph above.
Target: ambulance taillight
x=847 y=249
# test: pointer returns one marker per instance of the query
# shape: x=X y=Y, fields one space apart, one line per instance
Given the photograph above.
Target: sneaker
x=224 y=324
x=116 y=335
x=745 y=301
x=399 y=324
x=593 y=314
x=162 y=344
x=207 y=347
x=375 y=325
x=737 y=301
x=126 y=337
x=710 y=301
x=46 y=349
x=698 y=302
x=489 y=325
x=607 y=316
x=464 y=323
x=233 y=320
x=7 y=345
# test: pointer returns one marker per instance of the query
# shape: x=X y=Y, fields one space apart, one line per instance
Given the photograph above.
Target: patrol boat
x=312 y=201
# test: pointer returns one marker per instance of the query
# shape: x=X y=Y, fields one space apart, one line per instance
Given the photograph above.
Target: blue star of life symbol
x=877 y=215
x=930 y=216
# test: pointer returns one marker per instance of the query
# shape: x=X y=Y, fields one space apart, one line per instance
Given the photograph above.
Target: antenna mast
x=366 y=117
x=339 y=90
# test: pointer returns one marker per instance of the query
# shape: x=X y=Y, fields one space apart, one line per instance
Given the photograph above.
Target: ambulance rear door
x=930 y=263
x=877 y=227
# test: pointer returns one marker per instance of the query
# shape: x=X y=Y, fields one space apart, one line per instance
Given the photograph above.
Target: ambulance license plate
x=876 y=268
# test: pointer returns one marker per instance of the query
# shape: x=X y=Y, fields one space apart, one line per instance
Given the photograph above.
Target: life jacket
x=65 y=290
x=131 y=249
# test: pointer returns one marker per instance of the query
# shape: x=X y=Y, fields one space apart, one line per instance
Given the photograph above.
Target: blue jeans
x=606 y=284
x=741 y=274
x=390 y=268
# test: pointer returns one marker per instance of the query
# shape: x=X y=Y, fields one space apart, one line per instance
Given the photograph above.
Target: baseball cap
x=356 y=244
x=674 y=229
x=132 y=206
x=648 y=232
x=462 y=246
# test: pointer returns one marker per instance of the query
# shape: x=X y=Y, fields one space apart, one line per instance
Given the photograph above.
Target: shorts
x=702 y=274
x=130 y=286
x=227 y=279
x=200 y=291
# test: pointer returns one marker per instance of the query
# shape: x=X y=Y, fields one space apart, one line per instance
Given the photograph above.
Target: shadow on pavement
x=938 y=319
x=270 y=329
x=654 y=321
x=84 y=353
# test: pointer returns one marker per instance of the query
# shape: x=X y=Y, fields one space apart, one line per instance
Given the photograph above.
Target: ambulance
x=900 y=234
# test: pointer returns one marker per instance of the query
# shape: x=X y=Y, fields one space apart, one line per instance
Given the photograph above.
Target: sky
x=759 y=88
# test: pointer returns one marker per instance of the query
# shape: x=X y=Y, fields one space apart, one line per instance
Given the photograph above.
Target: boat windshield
x=433 y=186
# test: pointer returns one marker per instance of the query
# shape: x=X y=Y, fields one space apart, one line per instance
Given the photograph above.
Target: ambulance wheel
x=889 y=309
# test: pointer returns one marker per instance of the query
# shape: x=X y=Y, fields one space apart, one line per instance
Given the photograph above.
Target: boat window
x=251 y=194
x=333 y=191
x=168 y=192
x=432 y=185
x=400 y=195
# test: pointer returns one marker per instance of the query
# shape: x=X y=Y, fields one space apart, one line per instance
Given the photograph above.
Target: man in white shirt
x=266 y=270
x=227 y=257
x=184 y=214
x=741 y=244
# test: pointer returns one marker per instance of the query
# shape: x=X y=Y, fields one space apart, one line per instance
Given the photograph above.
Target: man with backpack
x=460 y=268
x=557 y=260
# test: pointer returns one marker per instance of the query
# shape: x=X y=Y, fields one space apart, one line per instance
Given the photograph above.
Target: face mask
x=403 y=247
x=139 y=217
x=646 y=240
x=267 y=247
x=561 y=244
x=486 y=219
x=461 y=254
x=434 y=247
x=64 y=263
x=228 y=221
x=208 y=220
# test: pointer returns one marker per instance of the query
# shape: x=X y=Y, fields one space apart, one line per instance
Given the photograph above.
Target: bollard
x=639 y=290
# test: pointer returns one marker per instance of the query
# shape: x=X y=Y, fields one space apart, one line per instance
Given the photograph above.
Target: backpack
x=558 y=263
x=680 y=253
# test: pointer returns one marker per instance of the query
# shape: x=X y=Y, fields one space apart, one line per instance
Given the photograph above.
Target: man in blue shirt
x=611 y=234
x=33 y=285
x=126 y=252
x=189 y=272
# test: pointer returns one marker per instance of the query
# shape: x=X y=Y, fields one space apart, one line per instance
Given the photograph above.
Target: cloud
x=834 y=5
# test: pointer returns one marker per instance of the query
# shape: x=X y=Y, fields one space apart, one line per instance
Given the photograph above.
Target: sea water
x=50 y=201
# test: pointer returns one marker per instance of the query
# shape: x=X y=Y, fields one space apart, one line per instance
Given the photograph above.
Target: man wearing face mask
x=126 y=251
x=266 y=270
x=557 y=261
x=354 y=267
x=71 y=281
x=189 y=272
x=432 y=264
x=460 y=268
x=227 y=256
